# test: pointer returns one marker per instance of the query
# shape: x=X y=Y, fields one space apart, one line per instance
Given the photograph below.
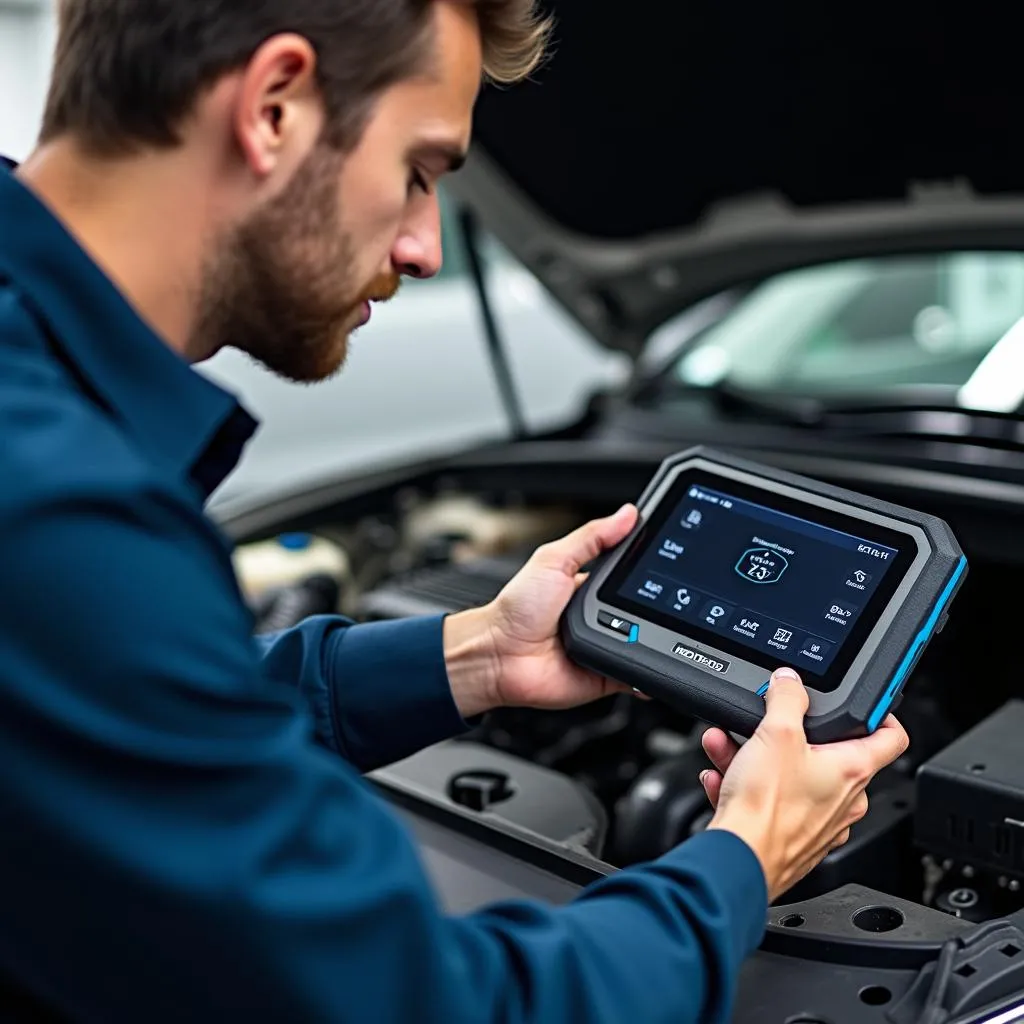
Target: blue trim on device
x=764 y=689
x=919 y=641
x=634 y=635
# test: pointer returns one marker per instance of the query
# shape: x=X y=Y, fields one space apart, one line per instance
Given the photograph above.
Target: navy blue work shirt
x=185 y=834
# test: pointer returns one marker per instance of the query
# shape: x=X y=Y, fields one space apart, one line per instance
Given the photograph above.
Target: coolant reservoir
x=285 y=560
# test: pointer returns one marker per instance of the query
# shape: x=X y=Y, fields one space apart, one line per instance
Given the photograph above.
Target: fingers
x=582 y=545
x=720 y=748
x=888 y=743
x=603 y=686
x=786 y=704
x=712 y=783
x=614 y=687
x=868 y=755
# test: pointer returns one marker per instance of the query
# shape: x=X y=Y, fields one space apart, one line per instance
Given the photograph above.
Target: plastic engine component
x=439 y=589
x=486 y=781
x=970 y=796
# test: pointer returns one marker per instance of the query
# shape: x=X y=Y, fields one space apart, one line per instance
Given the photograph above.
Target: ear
x=279 y=111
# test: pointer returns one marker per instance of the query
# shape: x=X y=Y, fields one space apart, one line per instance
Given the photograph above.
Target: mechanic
x=186 y=834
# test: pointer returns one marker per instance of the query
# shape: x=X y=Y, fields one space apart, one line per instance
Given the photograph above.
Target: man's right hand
x=793 y=802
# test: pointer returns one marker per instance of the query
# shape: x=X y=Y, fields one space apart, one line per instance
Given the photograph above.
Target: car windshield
x=868 y=325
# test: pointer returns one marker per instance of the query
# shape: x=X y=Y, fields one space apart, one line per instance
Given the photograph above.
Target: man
x=185 y=832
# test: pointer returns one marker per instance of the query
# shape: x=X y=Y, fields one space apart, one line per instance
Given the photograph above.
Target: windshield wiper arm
x=784 y=410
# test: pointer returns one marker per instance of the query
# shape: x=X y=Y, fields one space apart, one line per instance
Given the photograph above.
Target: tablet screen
x=772 y=579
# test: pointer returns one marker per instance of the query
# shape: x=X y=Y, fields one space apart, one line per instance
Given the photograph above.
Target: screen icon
x=783 y=636
x=683 y=598
x=651 y=589
x=859 y=579
x=693 y=519
x=841 y=613
x=670 y=549
x=716 y=613
x=762 y=565
x=747 y=627
x=815 y=649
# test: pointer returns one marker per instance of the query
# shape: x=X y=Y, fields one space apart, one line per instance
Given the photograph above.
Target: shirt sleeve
x=177 y=846
x=379 y=691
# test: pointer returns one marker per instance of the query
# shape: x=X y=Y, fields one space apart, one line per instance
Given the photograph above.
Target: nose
x=417 y=250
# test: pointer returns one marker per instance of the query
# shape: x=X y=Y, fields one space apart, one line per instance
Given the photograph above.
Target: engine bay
x=618 y=779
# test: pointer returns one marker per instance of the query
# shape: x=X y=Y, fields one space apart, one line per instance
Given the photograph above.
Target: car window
x=454 y=264
x=864 y=324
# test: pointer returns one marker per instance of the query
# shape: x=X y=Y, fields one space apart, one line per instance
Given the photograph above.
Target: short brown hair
x=127 y=72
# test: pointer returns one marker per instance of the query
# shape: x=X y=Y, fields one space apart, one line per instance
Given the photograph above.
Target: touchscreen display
x=749 y=574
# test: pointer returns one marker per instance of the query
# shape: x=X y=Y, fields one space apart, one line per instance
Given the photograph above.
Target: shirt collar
x=176 y=414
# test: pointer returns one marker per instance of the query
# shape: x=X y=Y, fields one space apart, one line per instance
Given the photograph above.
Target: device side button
x=616 y=624
x=902 y=674
x=764 y=689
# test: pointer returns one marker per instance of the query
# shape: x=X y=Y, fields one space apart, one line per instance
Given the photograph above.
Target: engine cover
x=500 y=785
x=970 y=797
x=440 y=589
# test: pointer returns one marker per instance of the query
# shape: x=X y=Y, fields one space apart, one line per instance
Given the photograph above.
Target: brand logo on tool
x=712 y=664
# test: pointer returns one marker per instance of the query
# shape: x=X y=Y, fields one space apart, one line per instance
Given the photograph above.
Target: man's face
x=291 y=283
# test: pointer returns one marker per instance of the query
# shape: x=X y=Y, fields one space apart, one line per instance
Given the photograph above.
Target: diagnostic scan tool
x=736 y=569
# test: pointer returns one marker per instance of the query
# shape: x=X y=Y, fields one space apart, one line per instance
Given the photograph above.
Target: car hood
x=666 y=151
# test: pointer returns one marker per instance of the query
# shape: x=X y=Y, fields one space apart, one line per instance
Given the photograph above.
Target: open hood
x=670 y=150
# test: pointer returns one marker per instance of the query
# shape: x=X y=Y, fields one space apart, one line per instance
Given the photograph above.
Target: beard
x=281 y=286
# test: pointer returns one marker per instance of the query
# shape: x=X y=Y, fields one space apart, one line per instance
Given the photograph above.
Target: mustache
x=382 y=288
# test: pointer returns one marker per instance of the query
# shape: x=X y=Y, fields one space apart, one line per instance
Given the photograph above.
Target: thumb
x=572 y=552
x=786 y=701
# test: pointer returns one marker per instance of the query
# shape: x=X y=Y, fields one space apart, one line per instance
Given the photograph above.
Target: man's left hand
x=508 y=654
